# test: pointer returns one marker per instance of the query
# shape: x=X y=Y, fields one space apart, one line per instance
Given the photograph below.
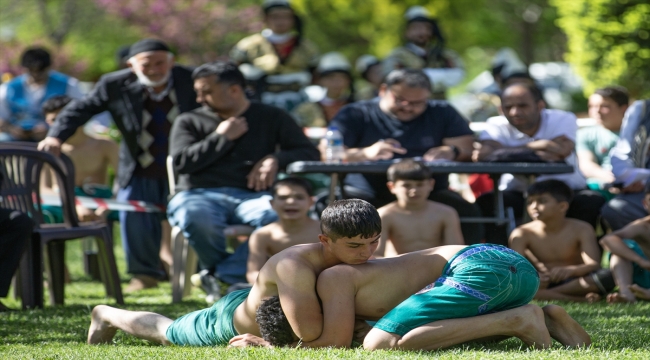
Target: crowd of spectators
x=230 y=128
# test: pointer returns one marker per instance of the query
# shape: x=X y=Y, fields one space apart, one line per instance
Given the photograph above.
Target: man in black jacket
x=227 y=154
x=143 y=101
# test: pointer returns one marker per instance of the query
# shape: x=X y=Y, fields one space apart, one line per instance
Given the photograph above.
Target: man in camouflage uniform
x=425 y=51
x=278 y=60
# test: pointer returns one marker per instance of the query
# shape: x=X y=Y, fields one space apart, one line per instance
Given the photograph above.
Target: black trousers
x=585 y=206
x=15 y=233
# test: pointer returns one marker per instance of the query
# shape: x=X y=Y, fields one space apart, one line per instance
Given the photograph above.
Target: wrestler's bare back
x=281 y=269
x=405 y=275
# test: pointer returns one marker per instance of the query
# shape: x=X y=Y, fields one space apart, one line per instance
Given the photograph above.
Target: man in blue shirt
x=403 y=122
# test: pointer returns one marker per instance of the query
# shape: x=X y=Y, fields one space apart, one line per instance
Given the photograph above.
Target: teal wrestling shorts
x=53 y=214
x=640 y=276
x=479 y=279
x=208 y=327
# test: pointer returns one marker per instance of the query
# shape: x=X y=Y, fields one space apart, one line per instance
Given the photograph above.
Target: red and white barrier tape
x=111 y=204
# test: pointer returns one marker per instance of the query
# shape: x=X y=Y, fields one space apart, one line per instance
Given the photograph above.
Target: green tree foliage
x=609 y=42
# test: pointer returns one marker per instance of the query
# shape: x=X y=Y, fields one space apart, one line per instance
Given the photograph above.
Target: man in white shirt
x=22 y=98
x=551 y=135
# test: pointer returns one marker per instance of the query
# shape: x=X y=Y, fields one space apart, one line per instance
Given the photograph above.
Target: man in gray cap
x=425 y=50
x=143 y=100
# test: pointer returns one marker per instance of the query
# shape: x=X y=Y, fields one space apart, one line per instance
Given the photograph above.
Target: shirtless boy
x=350 y=234
x=91 y=158
x=629 y=262
x=292 y=199
x=461 y=293
x=413 y=222
x=564 y=251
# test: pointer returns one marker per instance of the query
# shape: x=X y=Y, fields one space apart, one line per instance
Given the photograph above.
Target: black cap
x=147 y=45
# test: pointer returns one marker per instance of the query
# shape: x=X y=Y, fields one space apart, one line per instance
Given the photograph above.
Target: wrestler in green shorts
x=640 y=276
x=208 y=327
x=479 y=279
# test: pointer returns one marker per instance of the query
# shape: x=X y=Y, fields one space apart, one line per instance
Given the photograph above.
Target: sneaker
x=209 y=284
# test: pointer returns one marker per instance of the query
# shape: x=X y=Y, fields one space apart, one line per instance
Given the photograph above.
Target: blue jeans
x=142 y=232
x=202 y=215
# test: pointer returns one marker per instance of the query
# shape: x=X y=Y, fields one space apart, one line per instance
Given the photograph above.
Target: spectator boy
x=564 y=251
x=292 y=199
x=91 y=158
x=629 y=262
x=414 y=222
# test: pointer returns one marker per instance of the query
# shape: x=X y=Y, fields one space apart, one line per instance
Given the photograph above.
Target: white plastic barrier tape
x=94 y=203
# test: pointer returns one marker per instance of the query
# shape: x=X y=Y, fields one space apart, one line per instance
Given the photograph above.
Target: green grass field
x=618 y=331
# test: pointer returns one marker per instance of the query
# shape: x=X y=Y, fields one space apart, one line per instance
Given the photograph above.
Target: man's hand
x=439 y=153
x=633 y=188
x=247 y=340
x=50 y=144
x=233 y=128
x=263 y=174
x=85 y=214
x=383 y=150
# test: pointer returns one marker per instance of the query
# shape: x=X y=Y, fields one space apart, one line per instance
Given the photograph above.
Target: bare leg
x=525 y=322
x=622 y=272
x=563 y=328
x=107 y=320
x=639 y=292
x=165 y=254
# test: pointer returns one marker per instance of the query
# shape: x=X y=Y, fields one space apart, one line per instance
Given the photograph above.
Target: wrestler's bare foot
x=593 y=297
x=530 y=327
x=563 y=328
x=621 y=297
x=100 y=331
x=639 y=292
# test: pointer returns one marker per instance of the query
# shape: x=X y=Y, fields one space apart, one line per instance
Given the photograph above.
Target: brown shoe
x=140 y=282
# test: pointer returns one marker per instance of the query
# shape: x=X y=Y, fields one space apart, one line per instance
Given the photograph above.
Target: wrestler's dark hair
x=293 y=181
x=408 y=169
x=556 y=188
x=411 y=78
x=273 y=323
x=226 y=72
x=55 y=103
x=350 y=218
x=532 y=88
x=617 y=93
x=36 y=58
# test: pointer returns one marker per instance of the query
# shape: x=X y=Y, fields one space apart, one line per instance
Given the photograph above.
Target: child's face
x=291 y=202
x=49 y=117
x=411 y=190
x=545 y=206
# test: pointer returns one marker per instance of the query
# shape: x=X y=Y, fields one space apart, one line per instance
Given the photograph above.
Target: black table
x=495 y=170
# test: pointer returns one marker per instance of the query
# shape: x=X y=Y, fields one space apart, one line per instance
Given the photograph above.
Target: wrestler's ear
x=324 y=239
x=564 y=206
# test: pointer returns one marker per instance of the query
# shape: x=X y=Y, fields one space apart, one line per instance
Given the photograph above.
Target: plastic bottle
x=334 y=151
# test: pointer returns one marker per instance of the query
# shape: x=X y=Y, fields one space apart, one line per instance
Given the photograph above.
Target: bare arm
x=519 y=242
x=589 y=252
x=385 y=230
x=464 y=144
x=452 y=235
x=337 y=293
x=487 y=147
x=591 y=169
x=257 y=256
x=296 y=288
x=614 y=242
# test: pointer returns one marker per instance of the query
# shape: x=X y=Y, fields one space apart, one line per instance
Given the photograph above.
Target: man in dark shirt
x=403 y=122
x=143 y=102
x=227 y=154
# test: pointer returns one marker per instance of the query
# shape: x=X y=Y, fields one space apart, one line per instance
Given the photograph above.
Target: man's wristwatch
x=455 y=150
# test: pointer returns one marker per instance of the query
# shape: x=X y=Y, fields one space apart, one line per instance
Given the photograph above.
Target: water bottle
x=334 y=151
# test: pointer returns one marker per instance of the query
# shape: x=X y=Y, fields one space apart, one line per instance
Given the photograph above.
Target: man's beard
x=146 y=81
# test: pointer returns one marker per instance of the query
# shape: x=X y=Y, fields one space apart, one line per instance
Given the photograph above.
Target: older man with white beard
x=143 y=100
